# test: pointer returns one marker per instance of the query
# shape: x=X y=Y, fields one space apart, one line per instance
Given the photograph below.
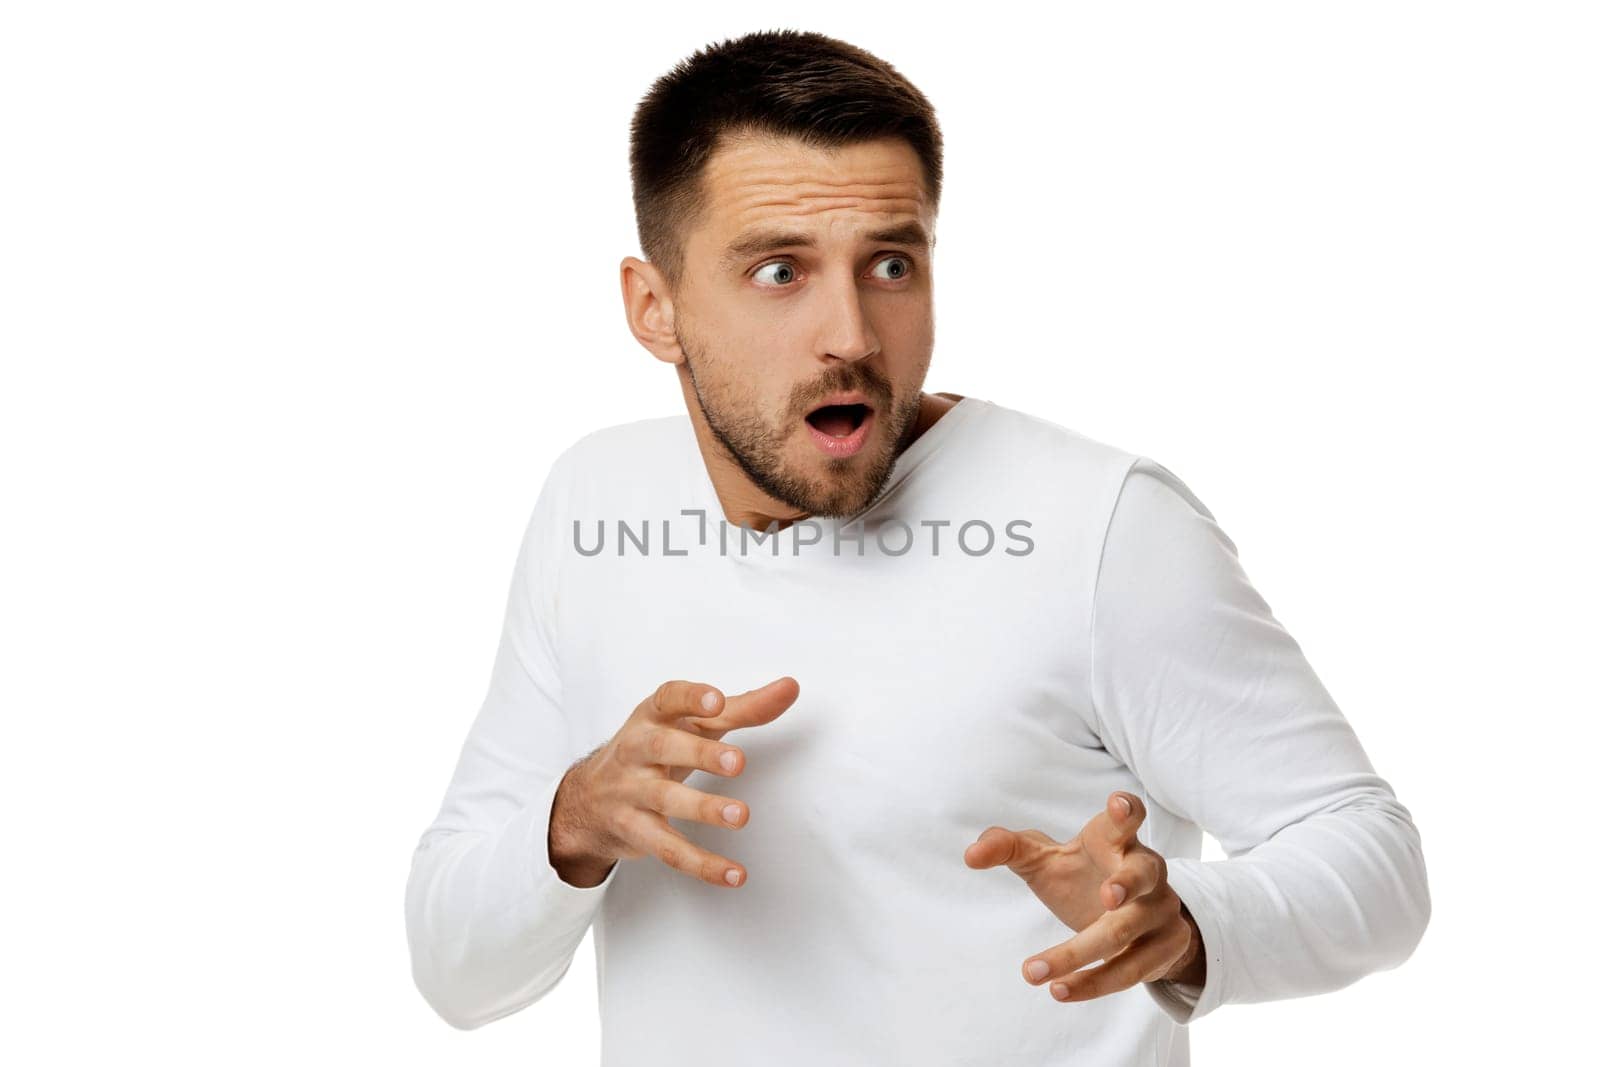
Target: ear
x=647 y=303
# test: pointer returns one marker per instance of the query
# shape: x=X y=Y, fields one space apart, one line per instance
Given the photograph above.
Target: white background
x=299 y=300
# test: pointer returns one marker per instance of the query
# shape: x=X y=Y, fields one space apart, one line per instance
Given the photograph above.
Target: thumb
x=1022 y=850
x=754 y=708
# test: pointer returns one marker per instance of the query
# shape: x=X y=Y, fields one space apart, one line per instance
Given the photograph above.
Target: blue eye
x=778 y=263
x=904 y=270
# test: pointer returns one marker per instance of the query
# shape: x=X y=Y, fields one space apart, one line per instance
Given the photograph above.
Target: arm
x=490 y=925
x=1204 y=695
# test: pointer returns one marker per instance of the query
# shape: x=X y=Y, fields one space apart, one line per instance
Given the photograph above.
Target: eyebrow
x=758 y=242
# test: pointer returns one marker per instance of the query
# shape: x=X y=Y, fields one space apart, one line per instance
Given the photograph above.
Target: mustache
x=876 y=390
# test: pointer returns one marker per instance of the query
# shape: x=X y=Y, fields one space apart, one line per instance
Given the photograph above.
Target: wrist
x=573 y=856
x=1190 y=968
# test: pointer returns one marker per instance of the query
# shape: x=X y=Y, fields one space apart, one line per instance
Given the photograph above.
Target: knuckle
x=655 y=746
x=618 y=823
x=631 y=823
x=1107 y=977
x=1126 y=970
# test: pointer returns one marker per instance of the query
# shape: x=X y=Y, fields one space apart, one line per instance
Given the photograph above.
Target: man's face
x=809 y=275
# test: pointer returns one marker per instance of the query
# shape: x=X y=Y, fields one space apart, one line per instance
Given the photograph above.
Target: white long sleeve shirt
x=1101 y=635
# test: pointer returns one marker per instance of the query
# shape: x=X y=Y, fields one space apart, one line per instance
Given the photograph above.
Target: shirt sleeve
x=490 y=925
x=1205 y=696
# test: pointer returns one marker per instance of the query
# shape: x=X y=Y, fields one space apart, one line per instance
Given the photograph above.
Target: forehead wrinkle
x=793 y=192
x=755 y=208
x=742 y=185
x=806 y=198
x=777 y=176
x=788 y=179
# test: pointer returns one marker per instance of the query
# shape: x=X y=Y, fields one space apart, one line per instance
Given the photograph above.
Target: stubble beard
x=846 y=487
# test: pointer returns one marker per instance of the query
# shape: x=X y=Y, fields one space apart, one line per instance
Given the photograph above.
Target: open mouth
x=839 y=420
x=840 y=430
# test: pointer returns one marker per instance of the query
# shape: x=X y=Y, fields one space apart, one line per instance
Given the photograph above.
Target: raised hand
x=614 y=804
x=1110 y=888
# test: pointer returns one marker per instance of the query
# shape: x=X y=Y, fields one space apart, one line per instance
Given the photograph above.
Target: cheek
x=911 y=324
x=908 y=366
x=776 y=327
x=905 y=334
x=758 y=385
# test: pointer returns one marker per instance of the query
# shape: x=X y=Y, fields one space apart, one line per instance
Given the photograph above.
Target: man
x=953 y=638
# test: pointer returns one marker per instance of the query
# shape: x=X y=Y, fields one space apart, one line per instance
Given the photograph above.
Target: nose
x=849 y=335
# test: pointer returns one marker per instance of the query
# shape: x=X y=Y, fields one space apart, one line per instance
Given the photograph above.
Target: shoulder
x=1047 y=442
x=624 y=453
x=601 y=473
x=1054 y=461
x=1165 y=553
x=1124 y=494
x=626 y=443
x=1152 y=498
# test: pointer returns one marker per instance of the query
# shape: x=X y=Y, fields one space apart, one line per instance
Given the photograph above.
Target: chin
x=841 y=486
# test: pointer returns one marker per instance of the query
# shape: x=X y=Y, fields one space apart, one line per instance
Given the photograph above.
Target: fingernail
x=732 y=877
x=729 y=761
x=1059 y=990
x=1037 y=969
x=709 y=701
x=1127 y=805
x=731 y=813
x=1118 y=894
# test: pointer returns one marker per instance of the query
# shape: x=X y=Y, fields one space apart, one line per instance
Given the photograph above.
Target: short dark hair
x=790 y=83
